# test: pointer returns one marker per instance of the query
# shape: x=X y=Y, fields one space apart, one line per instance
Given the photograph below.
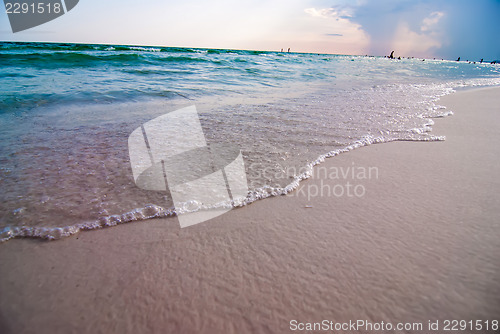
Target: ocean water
x=66 y=111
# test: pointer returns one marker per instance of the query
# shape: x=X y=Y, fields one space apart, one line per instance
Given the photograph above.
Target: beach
x=421 y=244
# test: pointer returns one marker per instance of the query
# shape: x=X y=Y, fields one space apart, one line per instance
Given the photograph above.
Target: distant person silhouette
x=288 y=49
x=481 y=61
x=392 y=55
x=458 y=59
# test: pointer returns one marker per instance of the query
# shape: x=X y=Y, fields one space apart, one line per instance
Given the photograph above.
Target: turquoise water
x=35 y=73
x=66 y=111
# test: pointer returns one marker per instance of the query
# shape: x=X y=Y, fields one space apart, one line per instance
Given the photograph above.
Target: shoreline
x=52 y=233
x=419 y=245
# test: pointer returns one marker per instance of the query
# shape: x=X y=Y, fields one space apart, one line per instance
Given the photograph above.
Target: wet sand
x=422 y=243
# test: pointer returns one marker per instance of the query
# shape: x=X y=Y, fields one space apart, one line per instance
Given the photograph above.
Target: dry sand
x=422 y=244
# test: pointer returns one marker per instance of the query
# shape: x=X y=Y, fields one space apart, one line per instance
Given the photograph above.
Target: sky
x=420 y=28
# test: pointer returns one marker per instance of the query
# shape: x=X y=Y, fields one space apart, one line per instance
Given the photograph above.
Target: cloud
x=429 y=22
x=414 y=28
x=410 y=43
x=324 y=13
x=351 y=38
x=328 y=12
x=419 y=44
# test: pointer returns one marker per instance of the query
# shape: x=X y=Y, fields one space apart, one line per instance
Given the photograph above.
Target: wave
x=53 y=233
x=75 y=59
x=152 y=211
x=59 y=60
x=71 y=47
x=11 y=46
x=13 y=102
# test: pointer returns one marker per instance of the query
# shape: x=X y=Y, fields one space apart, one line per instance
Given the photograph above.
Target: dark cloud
x=468 y=29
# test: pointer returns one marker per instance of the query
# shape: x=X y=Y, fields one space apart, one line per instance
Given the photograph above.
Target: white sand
x=422 y=244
